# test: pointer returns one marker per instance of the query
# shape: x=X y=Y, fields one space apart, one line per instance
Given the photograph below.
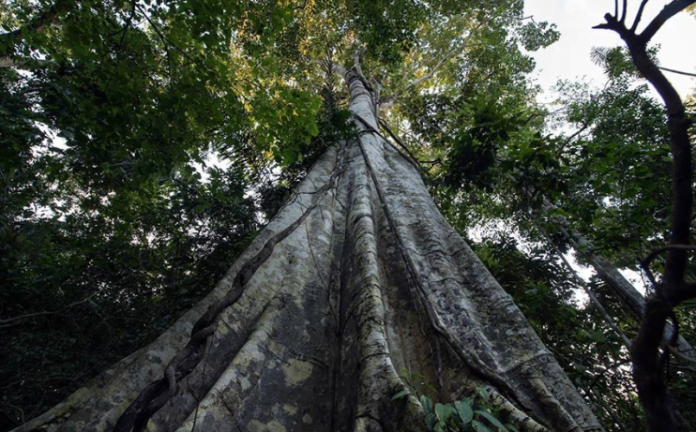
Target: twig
x=677 y=71
x=9 y=321
x=401 y=144
x=639 y=15
x=646 y=262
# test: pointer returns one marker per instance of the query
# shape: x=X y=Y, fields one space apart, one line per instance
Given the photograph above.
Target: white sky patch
x=212 y=160
x=636 y=279
x=569 y=58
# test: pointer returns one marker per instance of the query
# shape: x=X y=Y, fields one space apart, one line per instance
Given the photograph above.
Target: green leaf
x=443 y=412
x=479 y=427
x=430 y=420
x=401 y=394
x=466 y=413
x=427 y=403
x=491 y=418
x=483 y=392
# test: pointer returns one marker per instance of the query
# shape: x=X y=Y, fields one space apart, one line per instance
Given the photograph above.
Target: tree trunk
x=358 y=277
x=632 y=301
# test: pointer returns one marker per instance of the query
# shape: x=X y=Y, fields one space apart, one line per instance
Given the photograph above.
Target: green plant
x=465 y=415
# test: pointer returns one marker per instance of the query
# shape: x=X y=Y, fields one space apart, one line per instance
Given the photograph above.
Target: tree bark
x=358 y=277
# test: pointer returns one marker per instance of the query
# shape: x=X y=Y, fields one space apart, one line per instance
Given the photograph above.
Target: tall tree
x=347 y=284
x=348 y=264
x=357 y=277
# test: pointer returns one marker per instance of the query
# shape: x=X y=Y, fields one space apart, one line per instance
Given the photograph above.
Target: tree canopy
x=143 y=144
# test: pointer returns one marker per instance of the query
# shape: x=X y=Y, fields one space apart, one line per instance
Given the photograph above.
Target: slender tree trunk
x=358 y=277
x=631 y=300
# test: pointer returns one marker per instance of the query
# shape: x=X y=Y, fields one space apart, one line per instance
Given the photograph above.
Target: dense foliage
x=144 y=143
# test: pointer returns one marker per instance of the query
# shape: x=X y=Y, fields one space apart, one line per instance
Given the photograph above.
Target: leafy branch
x=46 y=17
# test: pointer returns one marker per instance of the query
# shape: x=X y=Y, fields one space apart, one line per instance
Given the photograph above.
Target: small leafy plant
x=465 y=415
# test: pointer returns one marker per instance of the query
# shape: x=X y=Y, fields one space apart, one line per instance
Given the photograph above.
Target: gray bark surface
x=372 y=281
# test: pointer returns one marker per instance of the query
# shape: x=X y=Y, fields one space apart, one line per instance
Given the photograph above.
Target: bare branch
x=434 y=69
x=677 y=71
x=639 y=15
x=571 y=138
x=646 y=262
x=9 y=322
x=595 y=301
x=623 y=13
x=647 y=370
x=681 y=356
x=613 y=24
x=385 y=126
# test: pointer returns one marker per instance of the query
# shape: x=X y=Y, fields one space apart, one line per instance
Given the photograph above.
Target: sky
x=569 y=58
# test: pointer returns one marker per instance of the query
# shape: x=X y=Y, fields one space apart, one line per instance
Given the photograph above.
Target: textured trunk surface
x=373 y=280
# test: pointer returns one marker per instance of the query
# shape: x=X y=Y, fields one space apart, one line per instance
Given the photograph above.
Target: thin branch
x=623 y=13
x=677 y=71
x=570 y=138
x=165 y=39
x=431 y=162
x=595 y=301
x=385 y=126
x=646 y=262
x=370 y=129
x=9 y=322
x=639 y=15
x=600 y=374
x=435 y=68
